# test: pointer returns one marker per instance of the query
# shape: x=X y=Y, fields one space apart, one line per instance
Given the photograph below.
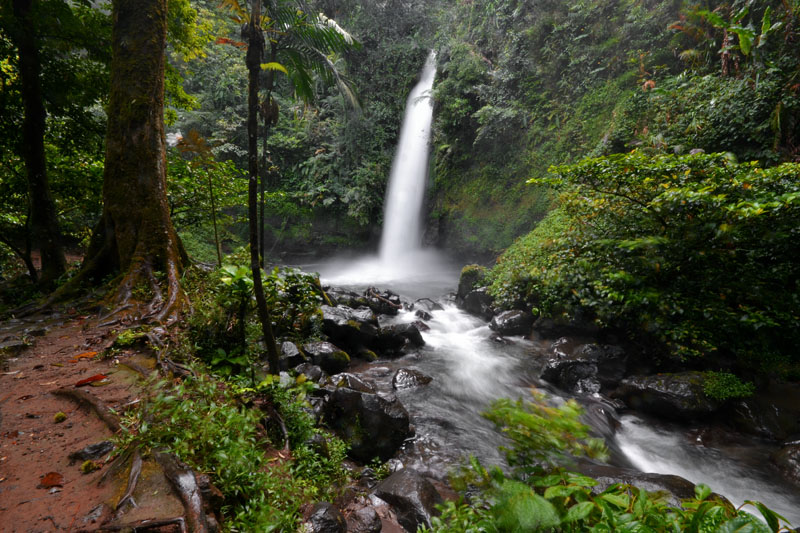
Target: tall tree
x=135 y=236
x=43 y=219
x=303 y=42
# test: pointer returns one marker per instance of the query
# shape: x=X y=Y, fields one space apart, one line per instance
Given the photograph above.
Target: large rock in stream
x=586 y=368
x=787 y=459
x=513 y=322
x=372 y=425
x=328 y=356
x=350 y=328
x=324 y=518
x=479 y=303
x=672 y=488
x=393 y=339
x=677 y=396
x=412 y=497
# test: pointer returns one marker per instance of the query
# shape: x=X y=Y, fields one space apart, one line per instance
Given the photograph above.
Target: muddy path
x=42 y=488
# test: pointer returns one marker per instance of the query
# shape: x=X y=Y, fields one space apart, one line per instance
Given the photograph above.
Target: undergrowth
x=215 y=428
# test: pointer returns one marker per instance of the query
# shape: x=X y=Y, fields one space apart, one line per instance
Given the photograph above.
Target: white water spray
x=403 y=207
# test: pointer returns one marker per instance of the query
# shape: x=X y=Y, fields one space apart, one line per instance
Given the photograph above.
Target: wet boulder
x=382 y=302
x=408 y=378
x=411 y=496
x=329 y=357
x=586 y=368
x=372 y=425
x=673 y=488
x=324 y=518
x=312 y=372
x=513 y=322
x=345 y=297
x=426 y=306
x=348 y=327
x=472 y=276
x=290 y=356
x=364 y=520
x=424 y=315
x=478 y=302
x=393 y=339
x=677 y=396
x=422 y=326
x=353 y=382
x=772 y=413
x=787 y=459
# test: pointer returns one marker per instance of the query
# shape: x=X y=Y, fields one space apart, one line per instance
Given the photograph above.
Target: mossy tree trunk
x=135 y=236
x=43 y=219
x=253 y=59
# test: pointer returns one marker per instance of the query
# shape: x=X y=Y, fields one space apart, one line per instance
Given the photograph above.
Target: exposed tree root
x=185 y=484
x=142 y=526
x=98 y=405
x=136 y=368
x=133 y=479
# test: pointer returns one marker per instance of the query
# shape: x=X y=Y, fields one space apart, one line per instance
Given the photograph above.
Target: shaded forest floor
x=42 y=488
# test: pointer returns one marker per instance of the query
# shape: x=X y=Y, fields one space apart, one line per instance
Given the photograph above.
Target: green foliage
x=541 y=434
x=513 y=277
x=724 y=385
x=693 y=251
x=223 y=328
x=203 y=422
x=537 y=497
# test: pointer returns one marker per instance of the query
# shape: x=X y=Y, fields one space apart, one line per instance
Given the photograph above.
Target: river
x=470 y=370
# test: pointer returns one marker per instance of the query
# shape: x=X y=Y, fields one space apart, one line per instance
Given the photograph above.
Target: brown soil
x=33 y=444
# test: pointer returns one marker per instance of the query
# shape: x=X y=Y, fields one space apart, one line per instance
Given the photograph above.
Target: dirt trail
x=33 y=444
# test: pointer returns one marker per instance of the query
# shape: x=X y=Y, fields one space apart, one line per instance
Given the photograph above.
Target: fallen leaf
x=84 y=355
x=101 y=383
x=92 y=379
x=51 y=479
x=62 y=364
x=49 y=383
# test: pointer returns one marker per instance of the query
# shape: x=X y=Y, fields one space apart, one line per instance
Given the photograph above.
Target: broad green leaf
x=579 y=511
x=702 y=491
x=520 y=509
x=739 y=524
x=771 y=517
x=620 y=500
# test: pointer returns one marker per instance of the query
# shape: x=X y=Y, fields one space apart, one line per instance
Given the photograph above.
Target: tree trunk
x=255 y=45
x=44 y=222
x=214 y=219
x=135 y=235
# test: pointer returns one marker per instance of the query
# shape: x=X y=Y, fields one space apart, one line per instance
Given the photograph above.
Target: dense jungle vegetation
x=635 y=163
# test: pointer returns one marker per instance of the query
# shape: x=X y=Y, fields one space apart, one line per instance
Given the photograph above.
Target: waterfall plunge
x=406 y=191
x=402 y=264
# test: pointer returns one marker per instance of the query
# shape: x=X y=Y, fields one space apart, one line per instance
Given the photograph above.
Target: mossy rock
x=472 y=276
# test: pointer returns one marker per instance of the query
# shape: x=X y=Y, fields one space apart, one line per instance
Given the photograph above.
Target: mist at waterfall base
x=470 y=370
x=401 y=260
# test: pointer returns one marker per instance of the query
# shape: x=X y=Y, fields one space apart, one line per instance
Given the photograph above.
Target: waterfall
x=406 y=191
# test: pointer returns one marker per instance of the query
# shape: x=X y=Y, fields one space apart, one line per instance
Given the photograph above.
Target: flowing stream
x=470 y=370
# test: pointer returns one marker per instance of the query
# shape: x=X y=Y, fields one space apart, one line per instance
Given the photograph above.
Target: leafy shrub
x=694 y=251
x=223 y=328
x=724 y=386
x=205 y=424
x=540 y=496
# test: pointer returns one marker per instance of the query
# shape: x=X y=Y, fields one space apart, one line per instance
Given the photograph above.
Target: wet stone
x=324 y=518
x=407 y=378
